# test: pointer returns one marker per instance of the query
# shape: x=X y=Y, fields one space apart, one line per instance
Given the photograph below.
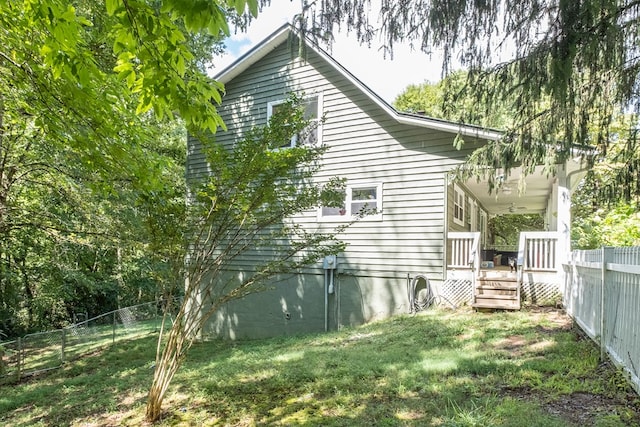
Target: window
x=312 y=108
x=458 y=205
x=357 y=198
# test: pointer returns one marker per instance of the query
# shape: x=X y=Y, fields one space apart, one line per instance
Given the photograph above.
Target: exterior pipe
x=326 y=301
x=331 y=289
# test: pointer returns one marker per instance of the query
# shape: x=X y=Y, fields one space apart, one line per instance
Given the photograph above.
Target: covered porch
x=485 y=274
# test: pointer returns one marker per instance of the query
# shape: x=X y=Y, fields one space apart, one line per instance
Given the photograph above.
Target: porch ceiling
x=508 y=198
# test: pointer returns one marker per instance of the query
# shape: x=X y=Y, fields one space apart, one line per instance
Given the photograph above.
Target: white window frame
x=348 y=202
x=459 y=207
x=316 y=121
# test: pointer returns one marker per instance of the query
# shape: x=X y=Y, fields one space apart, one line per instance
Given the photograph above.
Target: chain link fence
x=43 y=351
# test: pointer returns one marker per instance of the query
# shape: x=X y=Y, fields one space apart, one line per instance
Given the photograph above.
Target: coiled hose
x=422 y=297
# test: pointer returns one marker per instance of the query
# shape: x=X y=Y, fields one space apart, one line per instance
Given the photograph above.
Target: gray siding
x=366 y=145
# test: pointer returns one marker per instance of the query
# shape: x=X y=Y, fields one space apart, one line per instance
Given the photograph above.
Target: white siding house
x=399 y=160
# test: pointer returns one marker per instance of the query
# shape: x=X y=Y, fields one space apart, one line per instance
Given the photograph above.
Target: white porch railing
x=463 y=251
x=539 y=264
x=537 y=251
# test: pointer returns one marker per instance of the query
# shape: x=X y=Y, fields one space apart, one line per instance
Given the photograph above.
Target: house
x=428 y=226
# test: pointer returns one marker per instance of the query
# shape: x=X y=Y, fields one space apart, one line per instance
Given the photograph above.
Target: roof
x=282 y=34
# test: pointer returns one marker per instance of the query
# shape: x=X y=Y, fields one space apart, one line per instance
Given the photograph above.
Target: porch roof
x=531 y=196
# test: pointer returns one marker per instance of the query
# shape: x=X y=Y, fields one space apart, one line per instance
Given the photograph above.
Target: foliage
x=73 y=242
x=505 y=229
x=505 y=369
x=91 y=192
x=572 y=67
x=245 y=207
x=617 y=226
x=448 y=99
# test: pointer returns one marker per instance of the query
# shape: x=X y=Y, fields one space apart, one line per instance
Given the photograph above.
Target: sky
x=386 y=77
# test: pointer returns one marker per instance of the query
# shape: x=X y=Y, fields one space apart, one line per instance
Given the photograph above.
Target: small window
x=458 y=205
x=364 y=198
x=312 y=108
x=357 y=198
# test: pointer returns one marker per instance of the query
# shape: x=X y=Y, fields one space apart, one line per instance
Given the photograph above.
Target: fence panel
x=42 y=351
x=582 y=290
x=10 y=359
x=622 y=309
x=602 y=293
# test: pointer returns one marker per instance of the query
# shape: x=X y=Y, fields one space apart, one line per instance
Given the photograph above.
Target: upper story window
x=366 y=198
x=312 y=135
x=458 y=205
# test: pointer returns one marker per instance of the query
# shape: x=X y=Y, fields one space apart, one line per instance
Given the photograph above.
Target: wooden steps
x=496 y=290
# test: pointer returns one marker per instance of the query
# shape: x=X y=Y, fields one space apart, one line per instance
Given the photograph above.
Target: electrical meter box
x=330 y=262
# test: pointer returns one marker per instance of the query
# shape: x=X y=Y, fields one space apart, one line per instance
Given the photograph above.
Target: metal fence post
x=19 y=358
x=113 y=341
x=64 y=344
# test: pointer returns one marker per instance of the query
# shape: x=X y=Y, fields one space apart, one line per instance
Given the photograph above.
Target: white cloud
x=386 y=77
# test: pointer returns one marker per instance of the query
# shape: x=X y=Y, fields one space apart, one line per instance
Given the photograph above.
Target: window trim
x=459 y=208
x=317 y=120
x=348 y=216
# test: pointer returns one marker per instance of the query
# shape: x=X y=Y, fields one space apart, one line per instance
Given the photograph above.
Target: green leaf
x=458 y=142
x=253 y=7
x=112 y=6
x=240 y=5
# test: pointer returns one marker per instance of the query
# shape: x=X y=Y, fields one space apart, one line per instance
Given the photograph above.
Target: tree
x=574 y=66
x=605 y=205
x=505 y=229
x=246 y=206
x=448 y=99
x=618 y=225
x=71 y=241
x=91 y=186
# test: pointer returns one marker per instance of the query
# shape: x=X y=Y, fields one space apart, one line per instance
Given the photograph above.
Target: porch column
x=563 y=216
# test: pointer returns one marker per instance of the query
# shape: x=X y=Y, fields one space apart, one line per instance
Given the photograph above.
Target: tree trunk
x=166 y=367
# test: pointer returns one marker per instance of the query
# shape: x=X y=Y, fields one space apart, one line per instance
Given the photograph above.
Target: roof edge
x=254 y=54
x=282 y=34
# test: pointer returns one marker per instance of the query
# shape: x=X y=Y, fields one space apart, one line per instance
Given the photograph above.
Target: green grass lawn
x=439 y=368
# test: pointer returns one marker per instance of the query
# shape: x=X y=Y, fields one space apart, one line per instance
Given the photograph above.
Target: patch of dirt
x=556 y=316
x=518 y=346
x=580 y=408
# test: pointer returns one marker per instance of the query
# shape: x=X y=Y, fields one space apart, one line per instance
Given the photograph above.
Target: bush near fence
x=43 y=351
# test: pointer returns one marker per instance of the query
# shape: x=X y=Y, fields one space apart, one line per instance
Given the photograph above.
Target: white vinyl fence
x=602 y=294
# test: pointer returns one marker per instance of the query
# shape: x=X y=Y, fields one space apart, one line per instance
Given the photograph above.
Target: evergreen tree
x=574 y=68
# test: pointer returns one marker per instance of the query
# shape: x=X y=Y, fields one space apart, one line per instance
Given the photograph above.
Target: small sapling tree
x=246 y=207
